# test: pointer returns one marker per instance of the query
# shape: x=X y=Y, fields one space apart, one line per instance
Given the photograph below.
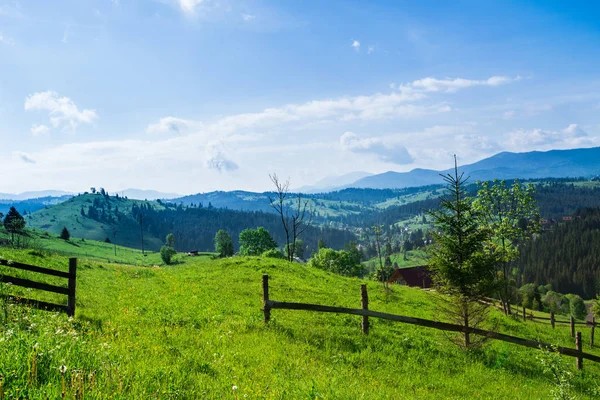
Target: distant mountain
x=31 y=205
x=34 y=195
x=505 y=165
x=140 y=194
x=333 y=182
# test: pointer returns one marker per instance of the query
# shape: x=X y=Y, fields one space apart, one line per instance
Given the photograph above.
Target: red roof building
x=414 y=277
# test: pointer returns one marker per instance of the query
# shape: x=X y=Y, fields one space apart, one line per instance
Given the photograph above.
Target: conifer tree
x=462 y=268
x=64 y=234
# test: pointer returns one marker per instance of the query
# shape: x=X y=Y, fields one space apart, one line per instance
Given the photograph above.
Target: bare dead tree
x=294 y=213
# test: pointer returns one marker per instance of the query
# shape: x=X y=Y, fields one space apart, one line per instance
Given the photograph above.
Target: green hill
x=196 y=331
x=112 y=219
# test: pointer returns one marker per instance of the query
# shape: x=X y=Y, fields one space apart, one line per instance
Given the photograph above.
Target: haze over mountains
x=572 y=163
x=505 y=165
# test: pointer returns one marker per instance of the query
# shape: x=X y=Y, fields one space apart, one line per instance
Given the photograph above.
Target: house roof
x=414 y=276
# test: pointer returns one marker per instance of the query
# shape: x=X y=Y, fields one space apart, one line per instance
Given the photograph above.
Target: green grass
x=414 y=258
x=196 y=330
x=49 y=244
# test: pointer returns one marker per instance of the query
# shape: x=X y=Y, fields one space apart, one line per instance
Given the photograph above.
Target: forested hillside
x=567 y=256
x=195 y=227
x=117 y=219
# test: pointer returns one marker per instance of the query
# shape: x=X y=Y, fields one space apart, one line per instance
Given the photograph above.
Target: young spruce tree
x=462 y=269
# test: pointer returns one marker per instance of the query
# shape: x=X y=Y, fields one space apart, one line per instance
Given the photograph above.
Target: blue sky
x=191 y=96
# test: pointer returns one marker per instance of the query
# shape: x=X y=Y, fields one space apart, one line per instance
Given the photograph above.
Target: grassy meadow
x=196 y=330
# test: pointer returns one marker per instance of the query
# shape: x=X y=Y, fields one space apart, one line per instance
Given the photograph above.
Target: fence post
x=266 y=307
x=524 y=315
x=592 y=332
x=552 y=320
x=72 y=285
x=365 y=306
x=579 y=347
x=572 y=326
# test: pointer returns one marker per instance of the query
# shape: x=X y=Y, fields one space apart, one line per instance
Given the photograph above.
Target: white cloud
x=215 y=159
x=385 y=151
x=539 y=139
x=115 y=3
x=452 y=85
x=248 y=17
x=63 y=111
x=356 y=45
x=172 y=125
x=39 y=130
x=189 y=6
x=371 y=49
x=508 y=114
x=6 y=40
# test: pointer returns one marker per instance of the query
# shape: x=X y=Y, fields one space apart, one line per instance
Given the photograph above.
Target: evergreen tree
x=14 y=223
x=170 y=240
x=64 y=234
x=167 y=253
x=321 y=244
x=461 y=266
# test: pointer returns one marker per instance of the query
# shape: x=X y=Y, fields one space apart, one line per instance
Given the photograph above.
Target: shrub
x=273 y=253
x=167 y=253
x=338 y=261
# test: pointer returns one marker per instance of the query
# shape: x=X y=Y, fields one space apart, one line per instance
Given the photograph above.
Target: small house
x=414 y=277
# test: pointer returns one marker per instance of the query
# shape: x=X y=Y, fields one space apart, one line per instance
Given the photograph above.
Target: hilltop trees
x=223 y=244
x=295 y=215
x=254 y=242
x=462 y=267
x=14 y=223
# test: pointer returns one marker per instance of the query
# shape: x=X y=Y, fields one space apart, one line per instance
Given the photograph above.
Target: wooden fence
x=69 y=290
x=269 y=305
x=552 y=319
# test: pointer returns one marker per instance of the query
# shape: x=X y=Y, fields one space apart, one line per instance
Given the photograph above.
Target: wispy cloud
x=172 y=125
x=39 y=130
x=370 y=49
x=542 y=139
x=452 y=85
x=391 y=152
x=24 y=157
x=215 y=158
x=248 y=17
x=66 y=33
x=6 y=40
x=63 y=112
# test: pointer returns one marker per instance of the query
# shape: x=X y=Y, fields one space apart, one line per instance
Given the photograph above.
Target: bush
x=167 y=253
x=273 y=253
x=338 y=261
x=577 y=306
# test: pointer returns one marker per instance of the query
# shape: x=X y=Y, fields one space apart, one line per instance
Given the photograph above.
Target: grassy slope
x=88 y=249
x=196 y=330
x=68 y=214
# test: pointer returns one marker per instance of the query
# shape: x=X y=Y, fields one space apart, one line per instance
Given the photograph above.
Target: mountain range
x=505 y=165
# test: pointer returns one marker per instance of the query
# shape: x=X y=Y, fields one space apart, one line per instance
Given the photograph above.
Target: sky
x=191 y=96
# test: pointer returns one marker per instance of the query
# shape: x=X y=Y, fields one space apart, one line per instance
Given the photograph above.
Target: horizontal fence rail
x=269 y=305
x=69 y=291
